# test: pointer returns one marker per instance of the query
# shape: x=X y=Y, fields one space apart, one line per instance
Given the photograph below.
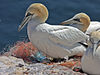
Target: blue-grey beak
x=24 y=22
x=94 y=48
x=71 y=21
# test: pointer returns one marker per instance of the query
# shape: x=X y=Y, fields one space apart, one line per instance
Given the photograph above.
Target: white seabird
x=91 y=59
x=54 y=40
x=82 y=21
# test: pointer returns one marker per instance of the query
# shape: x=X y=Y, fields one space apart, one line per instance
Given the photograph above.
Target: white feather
x=57 y=41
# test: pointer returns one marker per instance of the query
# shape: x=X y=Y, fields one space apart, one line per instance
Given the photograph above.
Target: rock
x=10 y=65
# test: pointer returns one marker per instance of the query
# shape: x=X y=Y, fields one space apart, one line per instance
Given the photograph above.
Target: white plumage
x=54 y=40
x=91 y=59
x=57 y=41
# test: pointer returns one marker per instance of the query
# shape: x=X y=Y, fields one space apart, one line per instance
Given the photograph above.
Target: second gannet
x=82 y=22
x=54 y=40
x=91 y=59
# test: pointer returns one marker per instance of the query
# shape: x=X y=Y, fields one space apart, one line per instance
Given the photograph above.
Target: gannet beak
x=70 y=21
x=24 y=22
x=94 y=48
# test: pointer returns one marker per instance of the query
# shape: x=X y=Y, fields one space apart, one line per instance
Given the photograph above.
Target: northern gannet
x=82 y=22
x=54 y=40
x=91 y=59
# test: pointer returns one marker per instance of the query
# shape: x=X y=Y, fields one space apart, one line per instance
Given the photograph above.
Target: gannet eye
x=77 y=19
x=28 y=14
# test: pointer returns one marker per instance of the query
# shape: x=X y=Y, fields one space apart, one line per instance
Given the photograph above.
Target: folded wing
x=67 y=36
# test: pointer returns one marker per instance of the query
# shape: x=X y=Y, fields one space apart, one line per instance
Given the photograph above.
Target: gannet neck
x=32 y=24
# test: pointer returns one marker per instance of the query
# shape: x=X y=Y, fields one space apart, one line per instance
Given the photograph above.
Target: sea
x=13 y=11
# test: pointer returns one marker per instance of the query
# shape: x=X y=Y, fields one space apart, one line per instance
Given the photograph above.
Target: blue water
x=12 y=13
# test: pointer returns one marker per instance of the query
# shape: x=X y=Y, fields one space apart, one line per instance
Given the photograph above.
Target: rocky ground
x=10 y=65
x=16 y=62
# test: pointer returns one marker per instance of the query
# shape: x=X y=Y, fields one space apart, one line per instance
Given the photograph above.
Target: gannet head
x=95 y=37
x=95 y=40
x=80 y=19
x=37 y=11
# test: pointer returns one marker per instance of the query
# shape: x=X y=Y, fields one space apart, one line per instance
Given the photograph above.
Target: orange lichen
x=71 y=64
